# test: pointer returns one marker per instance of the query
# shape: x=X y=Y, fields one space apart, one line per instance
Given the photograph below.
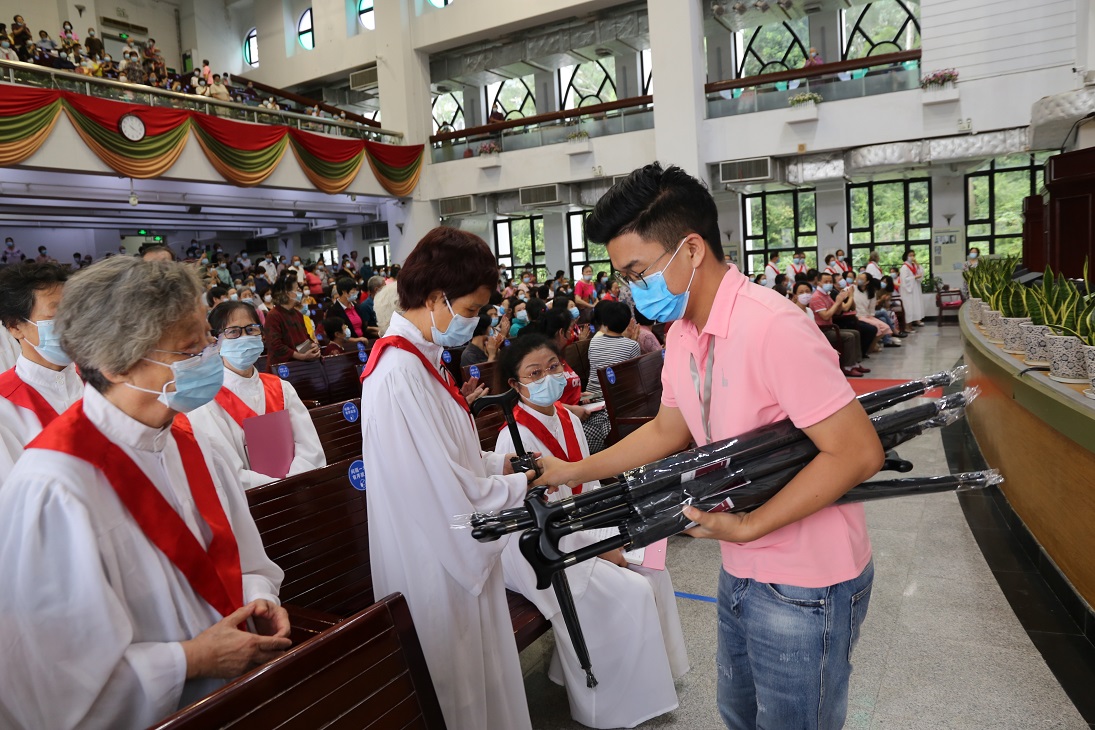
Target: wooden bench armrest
x=307 y=623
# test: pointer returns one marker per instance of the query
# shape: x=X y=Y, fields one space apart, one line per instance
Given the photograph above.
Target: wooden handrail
x=810 y=72
x=495 y=127
x=305 y=101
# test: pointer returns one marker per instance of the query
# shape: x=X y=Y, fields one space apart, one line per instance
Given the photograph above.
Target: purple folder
x=270 y=446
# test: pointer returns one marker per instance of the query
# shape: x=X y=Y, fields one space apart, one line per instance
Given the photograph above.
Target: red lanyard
x=573 y=451
x=213 y=573
x=18 y=392
x=238 y=410
x=402 y=343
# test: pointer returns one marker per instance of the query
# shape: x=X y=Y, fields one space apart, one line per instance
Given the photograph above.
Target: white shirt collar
x=121 y=428
x=237 y=383
x=42 y=379
x=402 y=326
x=551 y=420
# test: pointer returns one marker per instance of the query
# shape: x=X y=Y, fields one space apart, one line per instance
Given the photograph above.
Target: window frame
x=578 y=248
x=456 y=122
x=369 y=12
x=539 y=252
x=517 y=113
x=848 y=37
x=987 y=242
x=564 y=90
x=922 y=246
x=440 y=3
x=766 y=250
x=251 y=48
x=310 y=31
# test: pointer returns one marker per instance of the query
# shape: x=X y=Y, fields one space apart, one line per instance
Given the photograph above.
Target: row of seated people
x=155 y=609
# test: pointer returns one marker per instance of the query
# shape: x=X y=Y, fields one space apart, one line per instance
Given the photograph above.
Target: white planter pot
x=992 y=321
x=802 y=113
x=578 y=146
x=488 y=161
x=984 y=309
x=975 y=310
x=1034 y=342
x=1013 y=336
x=1066 y=359
x=1089 y=358
x=939 y=95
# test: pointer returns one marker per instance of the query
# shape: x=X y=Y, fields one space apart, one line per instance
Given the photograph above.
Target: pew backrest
x=577 y=356
x=484 y=371
x=632 y=392
x=341 y=373
x=306 y=376
x=339 y=429
x=364 y=673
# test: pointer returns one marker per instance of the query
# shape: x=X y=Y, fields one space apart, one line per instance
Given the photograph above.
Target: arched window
x=448 y=112
x=513 y=98
x=440 y=3
x=305 y=32
x=887 y=26
x=772 y=48
x=365 y=14
x=592 y=82
x=251 y=48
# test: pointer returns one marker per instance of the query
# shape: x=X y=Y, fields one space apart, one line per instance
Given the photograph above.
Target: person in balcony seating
x=93 y=44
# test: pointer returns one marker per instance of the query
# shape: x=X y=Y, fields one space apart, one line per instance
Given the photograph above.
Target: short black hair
x=644 y=320
x=616 y=316
x=216 y=292
x=657 y=205
x=509 y=358
x=221 y=313
x=484 y=325
x=773 y=256
x=345 y=284
x=18 y=285
x=535 y=308
x=811 y=273
x=332 y=326
x=562 y=301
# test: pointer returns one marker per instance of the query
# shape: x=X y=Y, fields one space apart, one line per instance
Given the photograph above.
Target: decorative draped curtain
x=244 y=154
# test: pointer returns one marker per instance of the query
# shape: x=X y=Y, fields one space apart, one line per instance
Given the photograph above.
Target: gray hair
x=115 y=312
x=375 y=284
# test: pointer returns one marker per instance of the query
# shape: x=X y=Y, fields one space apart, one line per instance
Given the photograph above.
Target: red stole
x=238 y=410
x=573 y=451
x=18 y=392
x=214 y=574
x=844 y=266
x=402 y=343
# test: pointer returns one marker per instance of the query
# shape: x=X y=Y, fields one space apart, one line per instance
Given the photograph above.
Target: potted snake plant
x=973 y=286
x=1087 y=336
x=1013 y=307
x=1063 y=312
x=1034 y=332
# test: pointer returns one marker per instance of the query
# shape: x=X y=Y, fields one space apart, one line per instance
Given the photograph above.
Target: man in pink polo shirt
x=797 y=572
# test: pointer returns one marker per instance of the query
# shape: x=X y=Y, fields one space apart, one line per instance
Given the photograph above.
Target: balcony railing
x=39 y=76
x=882 y=74
x=598 y=120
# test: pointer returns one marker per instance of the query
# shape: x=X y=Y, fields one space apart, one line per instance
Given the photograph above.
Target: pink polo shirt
x=770 y=363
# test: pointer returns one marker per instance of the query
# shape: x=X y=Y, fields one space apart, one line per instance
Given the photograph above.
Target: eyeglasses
x=638 y=280
x=252 y=330
x=535 y=375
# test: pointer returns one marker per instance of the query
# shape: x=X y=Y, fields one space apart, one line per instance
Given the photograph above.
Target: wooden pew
x=485 y=372
x=343 y=380
x=315 y=527
x=635 y=396
x=365 y=672
x=339 y=436
x=453 y=363
x=306 y=376
x=577 y=356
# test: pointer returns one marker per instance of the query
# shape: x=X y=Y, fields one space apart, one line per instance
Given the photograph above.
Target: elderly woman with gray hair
x=132 y=577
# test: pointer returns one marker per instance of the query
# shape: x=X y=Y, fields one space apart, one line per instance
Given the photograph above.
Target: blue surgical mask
x=574 y=313
x=242 y=352
x=521 y=316
x=458 y=333
x=587 y=277
x=354 y=296
x=494 y=321
x=197 y=381
x=973 y=255
x=234 y=297
x=523 y=298
x=797 y=262
x=49 y=344
x=546 y=390
x=764 y=282
x=827 y=288
x=656 y=302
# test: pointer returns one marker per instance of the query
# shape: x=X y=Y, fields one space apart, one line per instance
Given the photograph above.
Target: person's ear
x=697 y=250
x=18 y=331
x=435 y=299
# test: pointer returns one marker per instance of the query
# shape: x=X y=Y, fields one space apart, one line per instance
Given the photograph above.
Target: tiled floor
x=941 y=646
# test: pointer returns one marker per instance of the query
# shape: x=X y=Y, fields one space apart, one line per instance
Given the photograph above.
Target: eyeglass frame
x=639 y=281
x=248 y=329
x=551 y=370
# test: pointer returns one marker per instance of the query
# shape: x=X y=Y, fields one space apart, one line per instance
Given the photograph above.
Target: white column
x=830 y=209
x=676 y=43
x=556 y=250
x=546 y=92
x=473 y=106
x=825 y=35
x=628 y=76
x=720 y=55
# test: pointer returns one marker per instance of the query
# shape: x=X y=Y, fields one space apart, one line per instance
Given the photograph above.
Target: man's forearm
x=650 y=442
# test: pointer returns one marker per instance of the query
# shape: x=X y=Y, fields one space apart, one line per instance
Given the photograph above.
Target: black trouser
x=867 y=332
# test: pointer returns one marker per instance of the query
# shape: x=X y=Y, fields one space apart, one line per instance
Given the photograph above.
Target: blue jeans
x=785 y=653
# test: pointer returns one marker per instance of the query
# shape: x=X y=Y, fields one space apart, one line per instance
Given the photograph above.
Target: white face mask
x=804 y=299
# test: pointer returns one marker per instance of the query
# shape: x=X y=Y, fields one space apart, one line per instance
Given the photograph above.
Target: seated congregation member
x=520 y=318
x=287 y=336
x=247 y=393
x=865 y=291
x=612 y=345
x=796 y=572
x=338 y=337
x=845 y=342
x=367 y=309
x=554 y=325
x=133 y=572
x=848 y=318
x=885 y=309
x=42 y=384
x=424 y=465
x=483 y=346
x=648 y=341
x=629 y=614
x=345 y=308
x=826 y=309
x=781 y=285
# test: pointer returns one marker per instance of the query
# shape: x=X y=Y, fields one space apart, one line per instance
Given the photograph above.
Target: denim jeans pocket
x=797 y=595
x=860 y=602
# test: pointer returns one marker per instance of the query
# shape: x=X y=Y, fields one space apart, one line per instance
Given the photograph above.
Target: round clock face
x=131 y=127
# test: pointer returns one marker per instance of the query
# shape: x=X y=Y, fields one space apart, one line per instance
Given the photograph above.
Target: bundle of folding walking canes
x=736 y=475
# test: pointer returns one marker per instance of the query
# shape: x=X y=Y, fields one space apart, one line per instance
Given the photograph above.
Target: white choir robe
x=911 y=298
x=424 y=467
x=9 y=350
x=629 y=618
x=770 y=274
x=215 y=429
x=94 y=612
x=19 y=426
x=874 y=270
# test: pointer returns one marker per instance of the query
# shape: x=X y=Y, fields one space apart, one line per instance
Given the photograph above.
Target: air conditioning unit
x=376 y=231
x=459 y=205
x=754 y=169
x=541 y=196
x=364 y=80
